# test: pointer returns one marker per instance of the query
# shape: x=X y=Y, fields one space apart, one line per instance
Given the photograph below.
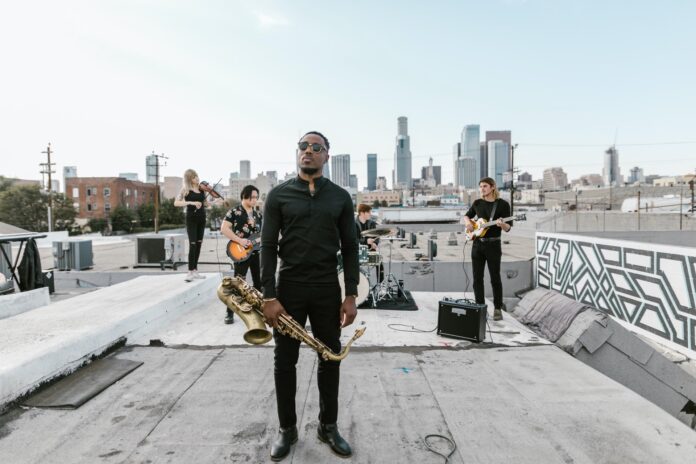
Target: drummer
x=365 y=222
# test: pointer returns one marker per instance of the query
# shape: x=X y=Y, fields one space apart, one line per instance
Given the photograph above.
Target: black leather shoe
x=229 y=318
x=281 y=447
x=328 y=433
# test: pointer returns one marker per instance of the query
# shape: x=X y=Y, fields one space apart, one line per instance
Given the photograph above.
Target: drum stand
x=389 y=288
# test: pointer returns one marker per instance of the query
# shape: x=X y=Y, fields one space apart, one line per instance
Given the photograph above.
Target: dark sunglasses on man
x=316 y=147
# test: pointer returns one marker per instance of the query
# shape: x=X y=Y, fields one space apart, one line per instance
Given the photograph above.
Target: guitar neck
x=492 y=223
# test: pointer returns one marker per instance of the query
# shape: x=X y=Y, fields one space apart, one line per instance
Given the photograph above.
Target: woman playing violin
x=193 y=198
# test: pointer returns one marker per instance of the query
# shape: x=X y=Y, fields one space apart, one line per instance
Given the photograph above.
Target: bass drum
x=363 y=287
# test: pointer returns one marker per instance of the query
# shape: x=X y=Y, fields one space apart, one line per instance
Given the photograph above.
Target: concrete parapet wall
x=648 y=285
x=53 y=340
x=18 y=303
x=595 y=221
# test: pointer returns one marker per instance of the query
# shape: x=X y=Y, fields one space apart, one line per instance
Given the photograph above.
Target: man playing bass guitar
x=242 y=225
x=488 y=249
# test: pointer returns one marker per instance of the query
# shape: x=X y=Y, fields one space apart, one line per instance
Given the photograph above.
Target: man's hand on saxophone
x=272 y=309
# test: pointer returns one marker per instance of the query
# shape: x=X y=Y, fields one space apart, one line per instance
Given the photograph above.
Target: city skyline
x=210 y=85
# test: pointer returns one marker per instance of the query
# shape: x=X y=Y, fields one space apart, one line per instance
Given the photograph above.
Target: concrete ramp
x=53 y=340
x=596 y=339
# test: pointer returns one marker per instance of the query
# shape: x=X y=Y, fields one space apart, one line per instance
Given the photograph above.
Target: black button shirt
x=313 y=227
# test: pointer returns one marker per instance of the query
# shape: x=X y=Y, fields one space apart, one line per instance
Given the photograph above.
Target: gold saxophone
x=247 y=302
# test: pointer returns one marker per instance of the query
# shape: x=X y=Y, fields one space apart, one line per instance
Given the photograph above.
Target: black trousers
x=323 y=306
x=240 y=269
x=195 y=228
x=482 y=253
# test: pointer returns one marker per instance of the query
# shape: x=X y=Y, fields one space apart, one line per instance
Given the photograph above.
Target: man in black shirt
x=365 y=222
x=488 y=249
x=314 y=217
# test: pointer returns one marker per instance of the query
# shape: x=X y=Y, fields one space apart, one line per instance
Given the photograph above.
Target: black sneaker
x=229 y=318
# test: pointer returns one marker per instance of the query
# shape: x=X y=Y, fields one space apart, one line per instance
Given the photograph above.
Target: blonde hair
x=189 y=174
x=490 y=181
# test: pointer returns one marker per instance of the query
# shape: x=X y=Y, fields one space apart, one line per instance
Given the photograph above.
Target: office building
x=68 y=172
x=151 y=168
x=340 y=170
x=499 y=162
x=402 y=155
x=554 y=179
x=371 y=171
x=470 y=149
x=245 y=169
x=636 y=175
x=611 y=171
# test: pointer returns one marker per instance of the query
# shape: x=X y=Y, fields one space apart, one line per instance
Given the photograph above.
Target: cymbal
x=379 y=232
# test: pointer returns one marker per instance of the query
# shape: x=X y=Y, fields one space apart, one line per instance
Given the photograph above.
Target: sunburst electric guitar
x=238 y=253
x=481 y=226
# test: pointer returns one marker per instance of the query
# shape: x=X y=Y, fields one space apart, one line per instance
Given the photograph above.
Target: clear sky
x=209 y=83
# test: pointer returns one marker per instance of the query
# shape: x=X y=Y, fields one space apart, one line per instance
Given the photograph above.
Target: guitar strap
x=495 y=205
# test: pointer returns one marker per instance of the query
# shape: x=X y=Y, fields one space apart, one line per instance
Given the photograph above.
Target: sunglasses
x=316 y=147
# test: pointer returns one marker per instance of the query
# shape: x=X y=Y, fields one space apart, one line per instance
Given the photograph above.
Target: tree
x=384 y=203
x=375 y=204
x=123 y=219
x=170 y=214
x=26 y=206
x=215 y=215
x=63 y=211
x=5 y=183
x=146 y=214
x=22 y=206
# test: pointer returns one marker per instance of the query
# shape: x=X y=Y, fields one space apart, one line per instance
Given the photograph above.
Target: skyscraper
x=611 y=171
x=340 y=170
x=68 y=172
x=456 y=155
x=505 y=136
x=498 y=162
x=151 y=168
x=353 y=181
x=471 y=135
x=371 y=171
x=402 y=155
x=636 y=175
x=245 y=169
x=554 y=179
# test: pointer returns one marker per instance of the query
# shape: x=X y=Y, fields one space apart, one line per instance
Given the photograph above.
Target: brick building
x=95 y=197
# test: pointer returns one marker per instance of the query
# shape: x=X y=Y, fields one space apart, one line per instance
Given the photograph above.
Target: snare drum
x=363 y=287
x=374 y=258
x=362 y=255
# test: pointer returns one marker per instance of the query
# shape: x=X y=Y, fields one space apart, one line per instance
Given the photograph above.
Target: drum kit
x=390 y=287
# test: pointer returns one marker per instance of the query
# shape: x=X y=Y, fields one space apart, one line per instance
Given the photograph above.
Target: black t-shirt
x=482 y=209
x=191 y=211
x=360 y=227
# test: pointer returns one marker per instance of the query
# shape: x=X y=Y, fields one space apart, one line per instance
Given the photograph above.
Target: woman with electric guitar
x=490 y=207
x=242 y=225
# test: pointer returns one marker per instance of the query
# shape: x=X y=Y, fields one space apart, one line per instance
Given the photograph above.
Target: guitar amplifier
x=461 y=319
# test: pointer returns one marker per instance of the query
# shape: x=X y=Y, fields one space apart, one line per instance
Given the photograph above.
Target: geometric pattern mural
x=648 y=285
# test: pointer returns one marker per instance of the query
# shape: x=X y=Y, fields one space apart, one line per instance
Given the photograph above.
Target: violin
x=207 y=188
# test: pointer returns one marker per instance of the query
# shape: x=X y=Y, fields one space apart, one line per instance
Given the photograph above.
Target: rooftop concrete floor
x=206 y=397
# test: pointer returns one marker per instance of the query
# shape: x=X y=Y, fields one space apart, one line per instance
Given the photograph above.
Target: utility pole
x=512 y=179
x=157 y=189
x=638 y=209
x=47 y=168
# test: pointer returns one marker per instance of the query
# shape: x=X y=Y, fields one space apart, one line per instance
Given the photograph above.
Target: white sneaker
x=189 y=277
x=196 y=275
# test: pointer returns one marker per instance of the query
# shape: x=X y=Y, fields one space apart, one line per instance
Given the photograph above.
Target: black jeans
x=240 y=269
x=482 y=253
x=195 y=227
x=323 y=306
